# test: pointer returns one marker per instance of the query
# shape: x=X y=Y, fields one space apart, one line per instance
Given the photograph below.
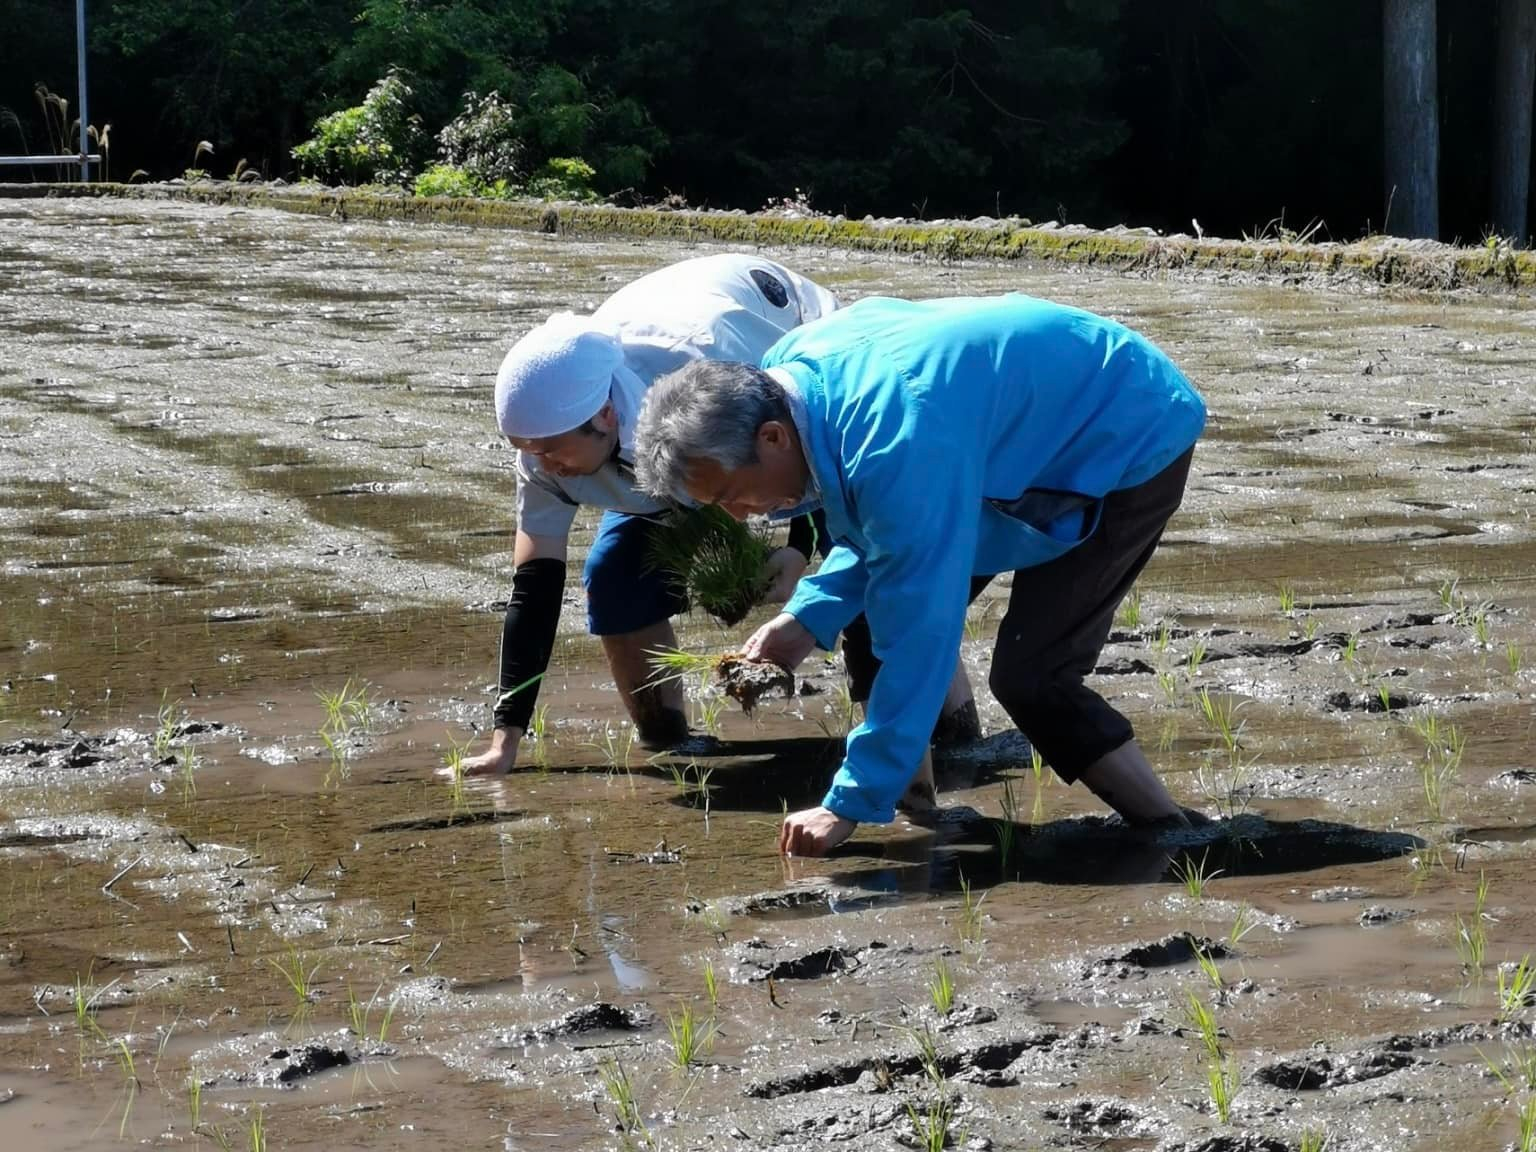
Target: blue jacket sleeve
x=919 y=501
x=826 y=601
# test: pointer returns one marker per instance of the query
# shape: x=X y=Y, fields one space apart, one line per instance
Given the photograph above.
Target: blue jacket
x=952 y=438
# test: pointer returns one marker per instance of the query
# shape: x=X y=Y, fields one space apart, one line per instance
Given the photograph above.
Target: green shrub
x=563 y=178
x=445 y=180
x=371 y=143
x=483 y=141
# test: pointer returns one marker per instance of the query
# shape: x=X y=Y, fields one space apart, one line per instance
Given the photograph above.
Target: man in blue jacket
x=948 y=441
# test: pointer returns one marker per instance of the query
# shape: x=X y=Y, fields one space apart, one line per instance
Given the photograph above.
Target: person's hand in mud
x=813 y=832
x=782 y=572
x=783 y=640
x=496 y=760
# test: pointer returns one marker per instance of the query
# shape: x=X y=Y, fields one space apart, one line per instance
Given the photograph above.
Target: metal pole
x=85 y=121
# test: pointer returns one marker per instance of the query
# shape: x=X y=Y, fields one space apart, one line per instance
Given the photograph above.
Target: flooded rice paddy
x=256 y=523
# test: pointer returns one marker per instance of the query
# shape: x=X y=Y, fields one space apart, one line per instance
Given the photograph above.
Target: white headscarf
x=560 y=375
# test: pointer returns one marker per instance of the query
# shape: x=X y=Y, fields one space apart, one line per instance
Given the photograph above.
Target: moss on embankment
x=1384 y=260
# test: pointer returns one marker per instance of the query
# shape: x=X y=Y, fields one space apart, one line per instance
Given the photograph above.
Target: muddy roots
x=748 y=681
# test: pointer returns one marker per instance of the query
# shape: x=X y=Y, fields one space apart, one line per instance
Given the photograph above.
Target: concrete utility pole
x=1513 y=89
x=1412 y=116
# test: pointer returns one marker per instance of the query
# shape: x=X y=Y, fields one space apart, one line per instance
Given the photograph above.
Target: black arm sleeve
x=528 y=638
x=802 y=536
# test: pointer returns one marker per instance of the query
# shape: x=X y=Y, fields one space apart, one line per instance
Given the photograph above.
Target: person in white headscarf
x=567 y=397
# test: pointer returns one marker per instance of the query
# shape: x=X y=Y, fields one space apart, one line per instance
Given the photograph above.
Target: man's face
x=579 y=452
x=774 y=482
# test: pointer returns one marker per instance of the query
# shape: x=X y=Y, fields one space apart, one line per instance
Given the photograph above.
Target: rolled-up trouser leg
x=1059 y=616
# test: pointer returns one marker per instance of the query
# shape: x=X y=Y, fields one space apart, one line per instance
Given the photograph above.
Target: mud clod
x=600 y=1017
x=811 y=966
x=1093 y=1115
x=293 y=1064
x=748 y=681
x=1169 y=952
x=1319 y=1072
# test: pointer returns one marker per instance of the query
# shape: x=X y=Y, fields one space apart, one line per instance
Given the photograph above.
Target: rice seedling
x=717 y=560
x=1194 y=876
x=709 y=708
x=256 y=1135
x=1471 y=935
x=1167 y=733
x=1221 y=1068
x=1512 y=658
x=1441 y=767
x=1164 y=639
x=453 y=761
x=165 y=1039
x=690 y=1037
x=538 y=729
x=1128 y=615
x=626 y=1112
x=1220 y=714
x=1006 y=828
x=85 y=1010
x=1169 y=684
x=1515 y=988
x=168 y=721
x=1481 y=636
x=941 y=988
x=358 y=1015
x=1527 y=1141
x=711 y=986
x=124 y=1056
x=928 y=1054
x=1037 y=766
x=932 y=1123
x=1384 y=695
x=299 y=978
x=1313 y=1140
x=1195 y=658
x=187 y=758
x=970 y=912
x=615 y=746
x=194 y=1103
x=675 y=664
x=1351 y=650
x=1517 y=1071
x=843 y=711
x=1243 y=923
x=1450 y=595
x=1287 y=600
x=346 y=710
x=1209 y=969
x=1309 y=628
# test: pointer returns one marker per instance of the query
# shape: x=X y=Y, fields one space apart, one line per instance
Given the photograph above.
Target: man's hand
x=498 y=760
x=783 y=640
x=813 y=832
x=782 y=572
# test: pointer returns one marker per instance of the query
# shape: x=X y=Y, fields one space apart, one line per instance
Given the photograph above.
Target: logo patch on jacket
x=768 y=284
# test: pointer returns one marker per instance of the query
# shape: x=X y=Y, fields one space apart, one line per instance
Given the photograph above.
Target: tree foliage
x=1096 y=111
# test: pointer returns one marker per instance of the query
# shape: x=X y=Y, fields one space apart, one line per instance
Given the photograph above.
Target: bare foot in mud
x=747 y=681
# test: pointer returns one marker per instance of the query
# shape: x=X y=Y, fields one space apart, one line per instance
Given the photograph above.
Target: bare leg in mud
x=656 y=708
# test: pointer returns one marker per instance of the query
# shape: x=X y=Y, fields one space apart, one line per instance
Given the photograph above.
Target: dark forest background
x=1147 y=112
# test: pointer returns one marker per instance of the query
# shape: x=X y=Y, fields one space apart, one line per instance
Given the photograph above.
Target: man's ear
x=607 y=418
x=773 y=435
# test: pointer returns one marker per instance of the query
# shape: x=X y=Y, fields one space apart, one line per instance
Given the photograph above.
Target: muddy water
x=246 y=458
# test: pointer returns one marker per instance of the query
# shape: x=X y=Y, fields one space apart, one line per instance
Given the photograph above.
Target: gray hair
x=706 y=410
